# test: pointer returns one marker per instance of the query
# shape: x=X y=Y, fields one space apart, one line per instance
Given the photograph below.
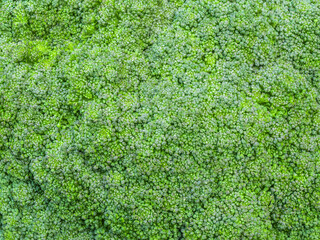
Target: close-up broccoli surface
x=159 y=119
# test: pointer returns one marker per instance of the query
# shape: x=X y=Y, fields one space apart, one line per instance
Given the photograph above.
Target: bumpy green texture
x=131 y=119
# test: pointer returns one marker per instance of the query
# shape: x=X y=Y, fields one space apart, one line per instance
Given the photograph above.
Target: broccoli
x=160 y=119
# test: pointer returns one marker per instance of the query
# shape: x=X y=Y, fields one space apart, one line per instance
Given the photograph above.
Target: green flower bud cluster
x=160 y=119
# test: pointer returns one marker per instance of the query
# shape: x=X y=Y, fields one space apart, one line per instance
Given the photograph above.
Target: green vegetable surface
x=159 y=119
